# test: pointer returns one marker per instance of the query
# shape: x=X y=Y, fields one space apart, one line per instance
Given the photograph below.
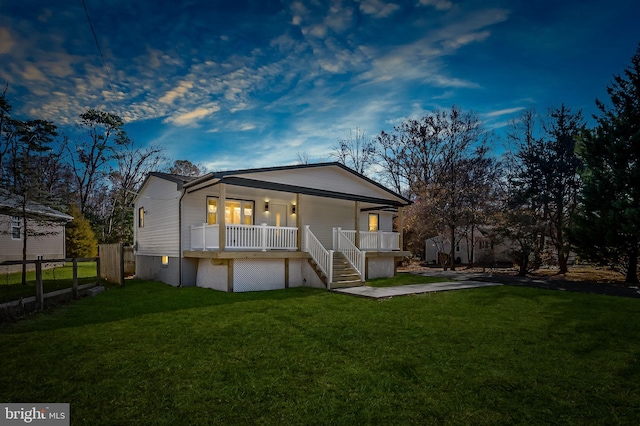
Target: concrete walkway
x=403 y=290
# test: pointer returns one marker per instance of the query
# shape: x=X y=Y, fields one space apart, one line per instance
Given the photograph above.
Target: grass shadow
x=138 y=298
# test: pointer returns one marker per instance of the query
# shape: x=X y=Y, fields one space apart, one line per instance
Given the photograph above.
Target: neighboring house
x=320 y=225
x=488 y=250
x=48 y=225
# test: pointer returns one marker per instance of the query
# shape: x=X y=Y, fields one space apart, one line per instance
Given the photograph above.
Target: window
x=165 y=260
x=16 y=228
x=238 y=212
x=141 y=217
x=374 y=222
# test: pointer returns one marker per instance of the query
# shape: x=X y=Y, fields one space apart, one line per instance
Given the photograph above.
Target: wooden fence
x=117 y=262
x=40 y=296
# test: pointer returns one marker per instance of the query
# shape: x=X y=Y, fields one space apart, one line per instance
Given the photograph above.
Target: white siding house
x=46 y=230
x=259 y=229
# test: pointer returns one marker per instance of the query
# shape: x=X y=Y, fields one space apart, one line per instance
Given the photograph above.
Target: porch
x=264 y=238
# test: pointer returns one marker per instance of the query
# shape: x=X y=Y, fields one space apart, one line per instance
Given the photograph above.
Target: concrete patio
x=404 y=290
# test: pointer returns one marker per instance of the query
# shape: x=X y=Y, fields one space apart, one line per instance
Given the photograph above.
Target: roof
x=11 y=203
x=240 y=178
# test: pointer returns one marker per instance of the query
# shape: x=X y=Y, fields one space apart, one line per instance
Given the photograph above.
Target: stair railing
x=353 y=254
x=320 y=255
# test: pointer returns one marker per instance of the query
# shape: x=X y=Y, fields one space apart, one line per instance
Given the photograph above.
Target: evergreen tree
x=80 y=239
x=607 y=228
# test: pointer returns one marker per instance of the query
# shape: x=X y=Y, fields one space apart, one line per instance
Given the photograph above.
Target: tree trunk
x=452 y=252
x=473 y=247
x=632 y=267
x=24 y=248
x=563 y=258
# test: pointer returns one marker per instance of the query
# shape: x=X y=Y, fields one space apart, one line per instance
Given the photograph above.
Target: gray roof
x=11 y=204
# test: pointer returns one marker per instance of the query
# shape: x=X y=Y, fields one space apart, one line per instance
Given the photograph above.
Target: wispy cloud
x=191 y=117
x=502 y=112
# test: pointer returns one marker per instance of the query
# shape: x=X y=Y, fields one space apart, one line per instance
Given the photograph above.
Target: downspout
x=180 y=255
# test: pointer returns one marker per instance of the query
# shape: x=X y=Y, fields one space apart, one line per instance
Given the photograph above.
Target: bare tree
x=132 y=166
x=437 y=160
x=356 y=151
x=186 y=168
x=90 y=157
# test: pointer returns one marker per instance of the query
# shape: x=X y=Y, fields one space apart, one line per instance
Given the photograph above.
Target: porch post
x=298 y=223
x=222 y=227
x=401 y=226
x=357 y=225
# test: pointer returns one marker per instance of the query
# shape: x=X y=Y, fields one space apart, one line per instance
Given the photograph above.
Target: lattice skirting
x=258 y=274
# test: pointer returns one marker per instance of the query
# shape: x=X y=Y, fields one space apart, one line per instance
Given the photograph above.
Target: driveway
x=547 y=284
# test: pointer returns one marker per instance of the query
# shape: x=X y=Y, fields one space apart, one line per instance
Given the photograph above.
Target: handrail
x=353 y=254
x=319 y=254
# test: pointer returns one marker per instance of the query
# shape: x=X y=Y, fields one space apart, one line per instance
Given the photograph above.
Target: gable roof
x=11 y=204
x=291 y=179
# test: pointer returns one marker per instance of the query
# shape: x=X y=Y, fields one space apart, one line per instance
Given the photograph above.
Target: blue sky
x=238 y=83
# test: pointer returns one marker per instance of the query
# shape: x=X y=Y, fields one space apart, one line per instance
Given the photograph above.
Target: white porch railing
x=320 y=255
x=379 y=241
x=355 y=256
x=244 y=237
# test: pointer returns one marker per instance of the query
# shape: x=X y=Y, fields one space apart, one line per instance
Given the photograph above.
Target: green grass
x=148 y=353
x=404 y=279
x=11 y=287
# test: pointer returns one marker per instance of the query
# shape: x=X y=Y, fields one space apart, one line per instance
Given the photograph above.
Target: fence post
x=121 y=251
x=98 y=270
x=39 y=286
x=75 y=277
x=264 y=236
x=330 y=271
x=305 y=239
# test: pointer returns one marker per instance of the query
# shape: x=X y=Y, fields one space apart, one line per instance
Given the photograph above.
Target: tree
x=25 y=146
x=607 y=227
x=131 y=168
x=437 y=160
x=80 y=239
x=356 y=151
x=545 y=177
x=90 y=157
x=186 y=168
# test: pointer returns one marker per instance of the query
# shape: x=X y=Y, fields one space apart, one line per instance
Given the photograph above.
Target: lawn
x=11 y=287
x=148 y=353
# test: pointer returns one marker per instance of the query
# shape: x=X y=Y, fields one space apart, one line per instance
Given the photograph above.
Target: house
x=320 y=225
x=487 y=250
x=46 y=239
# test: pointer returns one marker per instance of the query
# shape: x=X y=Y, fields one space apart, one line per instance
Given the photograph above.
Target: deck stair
x=343 y=273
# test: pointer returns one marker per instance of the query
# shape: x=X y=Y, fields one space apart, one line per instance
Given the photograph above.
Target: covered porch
x=205 y=237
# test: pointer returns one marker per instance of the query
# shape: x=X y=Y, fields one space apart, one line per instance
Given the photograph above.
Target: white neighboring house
x=320 y=225
x=487 y=250
x=48 y=223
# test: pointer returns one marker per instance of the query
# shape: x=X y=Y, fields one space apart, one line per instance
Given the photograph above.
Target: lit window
x=236 y=212
x=165 y=260
x=212 y=211
x=374 y=222
x=16 y=228
x=141 y=217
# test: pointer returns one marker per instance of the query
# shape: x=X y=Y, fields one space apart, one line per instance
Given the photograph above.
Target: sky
x=258 y=83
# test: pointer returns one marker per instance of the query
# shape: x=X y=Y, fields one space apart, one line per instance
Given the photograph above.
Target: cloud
x=178 y=92
x=191 y=117
x=31 y=72
x=438 y=4
x=377 y=8
x=6 y=42
x=501 y=112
